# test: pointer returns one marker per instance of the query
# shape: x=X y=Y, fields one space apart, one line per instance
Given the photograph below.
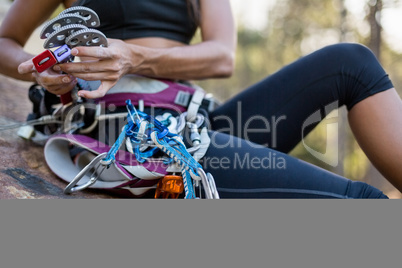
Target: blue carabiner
x=111 y=155
x=163 y=131
x=132 y=113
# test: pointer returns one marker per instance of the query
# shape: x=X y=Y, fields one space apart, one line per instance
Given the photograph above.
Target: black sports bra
x=127 y=19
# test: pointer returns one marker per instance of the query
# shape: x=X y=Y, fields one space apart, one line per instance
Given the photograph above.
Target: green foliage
x=59 y=9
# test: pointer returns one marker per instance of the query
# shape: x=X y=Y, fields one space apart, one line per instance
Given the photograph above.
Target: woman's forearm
x=209 y=59
x=12 y=55
x=212 y=58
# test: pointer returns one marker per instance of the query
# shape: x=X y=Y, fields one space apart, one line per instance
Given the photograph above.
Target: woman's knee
x=359 y=73
x=357 y=189
x=350 y=53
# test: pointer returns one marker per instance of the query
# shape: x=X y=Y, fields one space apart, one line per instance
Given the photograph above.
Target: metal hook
x=95 y=163
x=183 y=120
x=205 y=183
x=214 y=190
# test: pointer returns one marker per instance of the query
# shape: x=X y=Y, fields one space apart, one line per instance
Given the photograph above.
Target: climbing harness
x=152 y=151
x=147 y=137
x=50 y=117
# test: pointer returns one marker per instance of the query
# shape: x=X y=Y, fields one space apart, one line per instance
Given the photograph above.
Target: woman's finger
x=87 y=67
x=26 y=67
x=94 y=52
x=53 y=80
x=103 y=76
x=99 y=93
x=61 y=89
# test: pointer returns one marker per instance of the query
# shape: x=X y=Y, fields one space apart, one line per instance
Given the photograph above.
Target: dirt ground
x=23 y=170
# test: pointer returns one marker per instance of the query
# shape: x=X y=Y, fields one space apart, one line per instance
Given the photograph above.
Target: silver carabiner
x=212 y=184
x=94 y=164
x=210 y=190
x=182 y=120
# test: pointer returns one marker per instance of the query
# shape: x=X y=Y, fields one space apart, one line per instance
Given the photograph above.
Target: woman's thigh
x=243 y=169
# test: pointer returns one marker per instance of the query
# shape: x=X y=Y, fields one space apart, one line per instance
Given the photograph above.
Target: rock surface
x=23 y=170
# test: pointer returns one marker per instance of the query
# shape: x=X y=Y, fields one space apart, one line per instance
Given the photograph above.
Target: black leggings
x=253 y=131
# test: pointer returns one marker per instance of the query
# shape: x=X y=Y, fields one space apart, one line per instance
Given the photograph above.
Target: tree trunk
x=374 y=18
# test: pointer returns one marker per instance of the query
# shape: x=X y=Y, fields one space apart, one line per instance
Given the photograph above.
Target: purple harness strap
x=59 y=161
x=175 y=97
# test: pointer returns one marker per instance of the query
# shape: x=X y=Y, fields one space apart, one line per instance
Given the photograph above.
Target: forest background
x=273 y=33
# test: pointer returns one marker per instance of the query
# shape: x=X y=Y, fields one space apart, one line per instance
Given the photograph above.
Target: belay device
x=154 y=157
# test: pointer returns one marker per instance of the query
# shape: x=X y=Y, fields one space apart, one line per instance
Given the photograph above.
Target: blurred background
x=273 y=33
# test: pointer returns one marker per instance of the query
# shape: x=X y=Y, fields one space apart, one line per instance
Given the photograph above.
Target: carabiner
x=210 y=192
x=199 y=120
x=212 y=184
x=94 y=164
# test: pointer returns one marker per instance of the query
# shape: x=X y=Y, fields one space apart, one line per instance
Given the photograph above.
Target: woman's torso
x=150 y=23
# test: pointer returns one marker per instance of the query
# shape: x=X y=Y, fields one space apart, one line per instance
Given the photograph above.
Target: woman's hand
x=55 y=82
x=107 y=64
